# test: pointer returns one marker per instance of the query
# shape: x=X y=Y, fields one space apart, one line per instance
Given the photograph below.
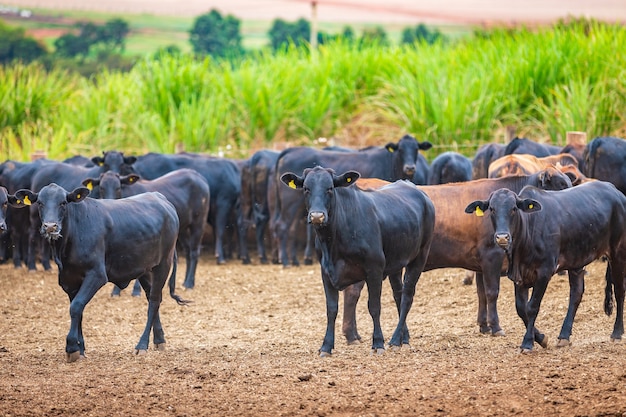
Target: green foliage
x=374 y=36
x=108 y=37
x=282 y=33
x=215 y=35
x=420 y=33
x=15 y=45
x=457 y=95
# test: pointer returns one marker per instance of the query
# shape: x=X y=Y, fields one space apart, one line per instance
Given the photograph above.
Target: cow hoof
x=221 y=262
x=354 y=342
x=136 y=294
x=308 y=261
x=187 y=288
x=563 y=343
x=616 y=340
x=114 y=294
x=524 y=351
x=141 y=352
x=544 y=343
x=395 y=348
x=325 y=354
x=73 y=357
x=377 y=351
x=159 y=346
x=499 y=333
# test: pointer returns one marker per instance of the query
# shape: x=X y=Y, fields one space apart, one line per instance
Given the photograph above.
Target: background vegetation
x=457 y=94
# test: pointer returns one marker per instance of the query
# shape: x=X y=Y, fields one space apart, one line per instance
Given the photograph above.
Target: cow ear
x=130 y=179
x=391 y=147
x=345 y=179
x=23 y=198
x=77 y=195
x=292 y=180
x=528 y=205
x=477 y=207
x=129 y=160
x=90 y=183
x=426 y=145
x=98 y=160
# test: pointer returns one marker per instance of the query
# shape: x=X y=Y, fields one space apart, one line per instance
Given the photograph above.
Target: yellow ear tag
x=390 y=149
x=78 y=196
x=530 y=206
x=292 y=184
x=89 y=186
x=348 y=179
x=479 y=212
x=27 y=201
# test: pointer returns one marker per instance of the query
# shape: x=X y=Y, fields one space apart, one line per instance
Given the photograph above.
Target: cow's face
x=504 y=209
x=407 y=149
x=52 y=203
x=553 y=179
x=319 y=186
x=110 y=184
x=114 y=161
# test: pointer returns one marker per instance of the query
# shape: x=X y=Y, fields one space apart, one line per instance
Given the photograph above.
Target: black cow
x=449 y=167
x=224 y=181
x=527 y=146
x=16 y=175
x=546 y=232
x=5 y=200
x=484 y=156
x=255 y=207
x=69 y=177
x=605 y=159
x=99 y=241
x=392 y=162
x=186 y=189
x=366 y=235
x=461 y=241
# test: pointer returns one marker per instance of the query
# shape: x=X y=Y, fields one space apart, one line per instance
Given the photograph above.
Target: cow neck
x=329 y=236
x=523 y=256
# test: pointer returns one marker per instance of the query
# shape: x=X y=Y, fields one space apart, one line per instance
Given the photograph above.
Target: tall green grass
x=457 y=95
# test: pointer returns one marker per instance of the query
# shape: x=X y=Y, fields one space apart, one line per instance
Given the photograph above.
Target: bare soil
x=248 y=345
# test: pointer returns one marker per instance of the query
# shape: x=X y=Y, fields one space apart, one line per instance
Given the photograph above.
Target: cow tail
x=172 y=283
x=608 y=291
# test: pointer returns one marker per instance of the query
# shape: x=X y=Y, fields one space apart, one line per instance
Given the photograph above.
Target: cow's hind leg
x=617 y=271
x=576 y=290
x=395 y=280
x=351 y=297
x=154 y=296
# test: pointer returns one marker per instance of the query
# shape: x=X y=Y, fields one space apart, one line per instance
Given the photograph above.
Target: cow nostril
x=502 y=239
x=316 y=217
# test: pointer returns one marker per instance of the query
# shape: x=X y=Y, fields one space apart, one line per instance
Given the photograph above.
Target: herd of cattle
x=523 y=209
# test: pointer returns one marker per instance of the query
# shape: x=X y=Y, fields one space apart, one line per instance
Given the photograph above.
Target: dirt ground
x=248 y=345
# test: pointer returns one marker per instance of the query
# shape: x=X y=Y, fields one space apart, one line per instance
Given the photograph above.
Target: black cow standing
x=605 y=159
x=449 y=167
x=186 y=189
x=544 y=232
x=366 y=235
x=98 y=241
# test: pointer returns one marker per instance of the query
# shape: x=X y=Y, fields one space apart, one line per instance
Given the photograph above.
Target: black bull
x=545 y=232
x=462 y=241
x=98 y=241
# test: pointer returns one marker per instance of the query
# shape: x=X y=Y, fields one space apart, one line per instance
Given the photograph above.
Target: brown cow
x=461 y=241
x=526 y=164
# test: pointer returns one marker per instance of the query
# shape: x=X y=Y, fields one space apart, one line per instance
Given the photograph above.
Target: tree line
x=211 y=34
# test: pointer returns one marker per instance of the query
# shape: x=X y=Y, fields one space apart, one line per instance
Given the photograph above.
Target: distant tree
x=420 y=33
x=114 y=33
x=215 y=35
x=15 y=45
x=283 y=33
x=375 y=35
x=348 y=34
x=71 y=46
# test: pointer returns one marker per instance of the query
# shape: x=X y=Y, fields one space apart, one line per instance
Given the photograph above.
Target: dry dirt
x=248 y=346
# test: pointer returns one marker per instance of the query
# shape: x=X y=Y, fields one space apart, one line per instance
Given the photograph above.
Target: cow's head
x=405 y=154
x=114 y=161
x=319 y=186
x=51 y=203
x=6 y=199
x=110 y=184
x=552 y=179
x=505 y=209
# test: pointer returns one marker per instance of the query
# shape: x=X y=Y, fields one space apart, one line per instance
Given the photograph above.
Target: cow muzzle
x=3 y=226
x=317 y=217
x=503 y=240
x=51 y=230
x=409 y=170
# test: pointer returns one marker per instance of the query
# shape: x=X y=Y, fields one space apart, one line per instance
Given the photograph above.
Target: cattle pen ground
x=248 y=346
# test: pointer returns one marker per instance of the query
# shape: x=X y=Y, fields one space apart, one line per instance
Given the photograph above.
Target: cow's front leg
x=75 y=344
x=374 y=289
x=332 y=307
x=395 y=280
x=532 y=310
x=351 y=297
x=521 y=301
